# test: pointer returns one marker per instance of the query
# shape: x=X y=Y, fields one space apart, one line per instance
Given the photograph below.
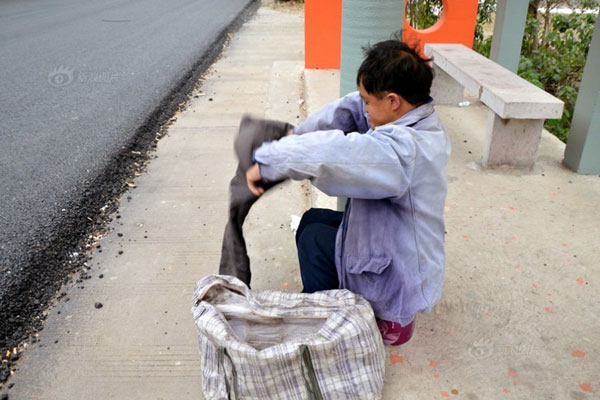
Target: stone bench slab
x=504 y=92
x=517 y=108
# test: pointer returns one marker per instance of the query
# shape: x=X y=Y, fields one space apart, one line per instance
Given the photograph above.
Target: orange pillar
x=322 y=33
x=323 y=26
x=456 y=25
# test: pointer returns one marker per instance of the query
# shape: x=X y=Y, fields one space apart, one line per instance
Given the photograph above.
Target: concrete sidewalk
x=519 y=317
x=142 y=344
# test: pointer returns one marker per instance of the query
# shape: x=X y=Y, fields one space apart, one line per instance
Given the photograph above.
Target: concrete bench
x=518 y=108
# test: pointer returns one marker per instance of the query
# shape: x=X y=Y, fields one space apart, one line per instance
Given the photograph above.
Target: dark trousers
x=315 y=239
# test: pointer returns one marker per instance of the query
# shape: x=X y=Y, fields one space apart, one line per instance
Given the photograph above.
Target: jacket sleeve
x=375 y=165
x=346 y=114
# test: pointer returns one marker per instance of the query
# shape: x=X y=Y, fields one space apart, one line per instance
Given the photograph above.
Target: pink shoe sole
x=393 y=333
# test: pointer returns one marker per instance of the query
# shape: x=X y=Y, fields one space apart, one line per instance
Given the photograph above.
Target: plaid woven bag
x=275 y=345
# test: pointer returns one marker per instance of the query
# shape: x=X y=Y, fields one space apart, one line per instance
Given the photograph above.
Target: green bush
x=553 y=53
x=421 y=14
x=556 y=63
x=481 y=43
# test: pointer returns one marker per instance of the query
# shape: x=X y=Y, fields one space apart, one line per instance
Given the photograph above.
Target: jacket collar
x=416 y=115
x=412 y=117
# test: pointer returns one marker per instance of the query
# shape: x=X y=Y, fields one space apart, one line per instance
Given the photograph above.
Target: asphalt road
x=77 y=80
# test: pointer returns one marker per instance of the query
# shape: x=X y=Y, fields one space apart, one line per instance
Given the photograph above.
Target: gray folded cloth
x=252 y=133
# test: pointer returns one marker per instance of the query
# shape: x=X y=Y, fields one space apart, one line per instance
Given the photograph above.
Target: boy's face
x=381 y=110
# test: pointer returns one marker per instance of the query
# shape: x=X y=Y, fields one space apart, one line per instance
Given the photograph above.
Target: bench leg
x=445 y=89
x=511 y=141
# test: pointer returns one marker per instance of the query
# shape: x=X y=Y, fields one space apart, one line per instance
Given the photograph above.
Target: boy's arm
x=355 y=165
x=346 y=114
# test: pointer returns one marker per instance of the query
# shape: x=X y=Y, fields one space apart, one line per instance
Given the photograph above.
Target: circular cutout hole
x=423 y=14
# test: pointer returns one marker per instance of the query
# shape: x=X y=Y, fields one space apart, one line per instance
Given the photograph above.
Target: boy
x=385 y=149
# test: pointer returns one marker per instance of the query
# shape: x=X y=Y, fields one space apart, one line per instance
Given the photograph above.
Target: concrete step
x=271 y=244
x=321 y=87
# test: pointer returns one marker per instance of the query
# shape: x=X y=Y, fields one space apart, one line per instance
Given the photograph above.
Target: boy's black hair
x=394 y=66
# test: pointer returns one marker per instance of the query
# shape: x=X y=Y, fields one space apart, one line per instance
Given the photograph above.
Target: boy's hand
x=253 y=178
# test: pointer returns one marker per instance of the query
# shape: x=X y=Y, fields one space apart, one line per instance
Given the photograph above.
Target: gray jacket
x=390 y=245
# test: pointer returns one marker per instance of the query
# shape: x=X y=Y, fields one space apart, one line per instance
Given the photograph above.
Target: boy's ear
x=395 y=101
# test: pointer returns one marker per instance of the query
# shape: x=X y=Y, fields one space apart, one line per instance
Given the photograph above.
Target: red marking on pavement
x=445 y=394
x=465 y=237
x=512 y=373
x=395 y=359
x=436 y=376
x=563 y=244
x=578 y=354
x=517 y=266
x=586 y=387
x=579 y=280
x=515 y=382
x=286 y=284
x=505 y=390
x=533 y=285
x=549 y=310
x=511 y=208
x=549 y=294
x=434 y=363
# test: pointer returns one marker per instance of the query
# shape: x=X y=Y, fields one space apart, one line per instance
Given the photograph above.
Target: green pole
x=364 y=22
x=509 y=27
x=583 y=146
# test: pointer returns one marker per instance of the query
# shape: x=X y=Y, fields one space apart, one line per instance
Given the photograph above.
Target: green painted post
x=364 y=22
x=509 y=27
x=583 y=146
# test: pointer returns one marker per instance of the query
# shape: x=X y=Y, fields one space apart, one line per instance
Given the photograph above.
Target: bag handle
x=221 y=362
x=308 y=373
x=312 y=385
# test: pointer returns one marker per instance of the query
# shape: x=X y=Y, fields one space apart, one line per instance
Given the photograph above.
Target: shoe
x=393 y=333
